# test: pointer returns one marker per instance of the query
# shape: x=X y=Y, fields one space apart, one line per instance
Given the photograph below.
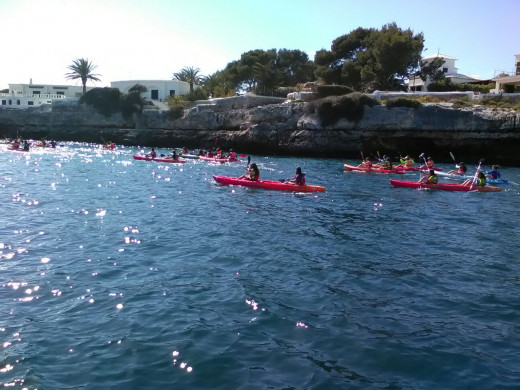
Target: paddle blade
x=452 y=156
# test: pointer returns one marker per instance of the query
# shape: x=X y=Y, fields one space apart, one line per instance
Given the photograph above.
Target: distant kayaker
x=174 y=154
x=152 y=154
x=299 y=177
x=367 y=163
x=430 y=163
x=25 y=145
x=431 y=179
x=387 y=163
x=232 y=155
x=252 y=174
x=461 y=169
x=494 y=173
x=407 y=162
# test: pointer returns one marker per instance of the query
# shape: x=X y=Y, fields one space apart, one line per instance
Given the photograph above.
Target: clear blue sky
x=152 y=39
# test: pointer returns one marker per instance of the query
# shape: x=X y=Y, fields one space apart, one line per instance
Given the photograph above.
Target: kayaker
x=367 y=163
x=407 y=162
x=152 y=154
x=479 y=181
x=174 y=154
x=25 y=145
x=299 y=177
x=430 y=163
x=252 y=173
x=431 y=179
x=387 y=163
x=232 y=155
x=494 y=173
x=185 y=150
x=461 y=169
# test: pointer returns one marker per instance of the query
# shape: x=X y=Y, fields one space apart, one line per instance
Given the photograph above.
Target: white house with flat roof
x=28 y=95
x=158 y=90
x=415 y=84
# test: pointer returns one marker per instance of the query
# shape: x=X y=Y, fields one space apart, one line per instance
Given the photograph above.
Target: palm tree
x=82 y=69
x=189 y=75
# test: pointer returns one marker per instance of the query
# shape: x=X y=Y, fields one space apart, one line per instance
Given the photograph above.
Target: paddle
x=453 y=157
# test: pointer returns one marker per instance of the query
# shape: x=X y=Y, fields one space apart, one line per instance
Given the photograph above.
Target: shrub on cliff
x=324 y=91
x=105 y=100
x=403 y=102
x=109 y=101
x=351 y=106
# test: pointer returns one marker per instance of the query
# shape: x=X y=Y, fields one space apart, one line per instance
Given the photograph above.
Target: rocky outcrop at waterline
x=277 y=127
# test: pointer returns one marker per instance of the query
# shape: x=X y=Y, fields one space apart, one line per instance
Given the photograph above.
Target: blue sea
x=124 y=274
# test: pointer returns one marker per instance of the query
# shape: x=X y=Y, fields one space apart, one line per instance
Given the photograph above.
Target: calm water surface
x=123 y=274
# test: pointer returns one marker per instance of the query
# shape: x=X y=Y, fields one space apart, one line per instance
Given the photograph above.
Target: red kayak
x=267 y=184
x=220 y=160
x=158 y=159
x=372 y=169
x=443 y=186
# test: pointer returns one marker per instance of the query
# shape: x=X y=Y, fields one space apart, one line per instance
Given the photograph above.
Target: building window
x=4 y=102
x=10 y=102
x=18 y=102
x=172 y=92
x=61 y=93
x=36 y=92
x=445 y=70
x=155 y=94
x=30 y=103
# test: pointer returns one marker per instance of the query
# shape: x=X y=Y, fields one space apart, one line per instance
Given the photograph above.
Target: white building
x=510 y=81
x=27 y=95
x=158 y=90
x=449 y=69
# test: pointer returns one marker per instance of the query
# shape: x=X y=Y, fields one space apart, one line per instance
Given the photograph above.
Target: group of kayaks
x=443 y=186
x=282 y=185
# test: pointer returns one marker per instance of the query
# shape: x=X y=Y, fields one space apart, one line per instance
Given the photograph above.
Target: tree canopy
x=262 y=71
x=371 y=59
x=83 y=69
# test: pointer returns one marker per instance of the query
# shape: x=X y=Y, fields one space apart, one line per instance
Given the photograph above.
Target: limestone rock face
x=275 y=126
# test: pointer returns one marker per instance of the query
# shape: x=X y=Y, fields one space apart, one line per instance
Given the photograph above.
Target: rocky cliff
x=273 y=126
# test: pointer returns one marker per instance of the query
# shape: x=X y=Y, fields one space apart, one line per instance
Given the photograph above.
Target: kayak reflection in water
x=252 y=173
x=299 y=177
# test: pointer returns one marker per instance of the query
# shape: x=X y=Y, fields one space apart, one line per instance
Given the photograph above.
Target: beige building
x=507 y=83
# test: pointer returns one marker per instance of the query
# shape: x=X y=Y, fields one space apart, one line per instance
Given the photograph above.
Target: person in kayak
x=387 y=163
x=25 y=145
x=299 y=177
x=366 y=163
x=152 y=154
x=479 y=181
x=431 y=179
x=232 y=155
x=407 y=162
x=252 y=173
x=461 y=169
x=174 y=155
x=430 y=163
x=494 y=173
